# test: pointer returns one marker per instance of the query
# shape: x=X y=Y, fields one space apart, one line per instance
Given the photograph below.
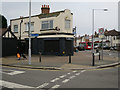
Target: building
x=52 y=32
x=112 y=37
x=9 y=42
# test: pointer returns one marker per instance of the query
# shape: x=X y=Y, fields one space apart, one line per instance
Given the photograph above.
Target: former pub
x=52 y=33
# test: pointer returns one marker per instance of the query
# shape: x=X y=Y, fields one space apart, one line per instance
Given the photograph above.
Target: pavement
x=80 y=61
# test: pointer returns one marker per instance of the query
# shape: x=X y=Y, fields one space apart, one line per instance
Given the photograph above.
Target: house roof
x=53 y=14
x=112 y=33
x=2 y=31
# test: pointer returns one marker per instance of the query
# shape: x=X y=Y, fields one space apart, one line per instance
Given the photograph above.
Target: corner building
x=52 y=33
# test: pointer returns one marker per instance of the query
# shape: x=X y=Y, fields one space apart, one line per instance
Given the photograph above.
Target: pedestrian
x=18 y=53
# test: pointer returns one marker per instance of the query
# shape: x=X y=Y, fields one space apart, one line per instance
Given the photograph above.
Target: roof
x=2 y=30
x=112 y=33
x=53 y=14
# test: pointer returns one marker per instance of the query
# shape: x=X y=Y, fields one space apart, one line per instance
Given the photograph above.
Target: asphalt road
x=37 y=79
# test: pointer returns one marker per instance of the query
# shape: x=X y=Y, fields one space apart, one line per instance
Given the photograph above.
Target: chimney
x=45 y=9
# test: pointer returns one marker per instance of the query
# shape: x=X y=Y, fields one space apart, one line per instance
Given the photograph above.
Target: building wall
x=58 y=21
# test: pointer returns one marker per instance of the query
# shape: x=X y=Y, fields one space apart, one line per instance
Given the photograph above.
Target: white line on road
x=12 y=85
x=54 y=79
x=77 y=74
x=12 y=72
x=56 y=86
x=43 y=85
x=16 y=72
x=72 y=77
x=66 y=80
x=74 y=71
x=62 y=76
x=83 y=70
x=68 y=73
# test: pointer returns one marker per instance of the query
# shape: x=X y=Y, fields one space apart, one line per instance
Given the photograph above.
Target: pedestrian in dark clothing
x=18 y=53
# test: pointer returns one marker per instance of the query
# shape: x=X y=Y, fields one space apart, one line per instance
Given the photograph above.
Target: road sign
x=101 y=30
x=35 y=35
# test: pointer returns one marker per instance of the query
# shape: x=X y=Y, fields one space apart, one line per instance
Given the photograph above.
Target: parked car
x=81 y=47
x=106 y=47
x=114 y=48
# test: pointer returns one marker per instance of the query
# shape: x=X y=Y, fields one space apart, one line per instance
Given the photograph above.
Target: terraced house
x=52 y=32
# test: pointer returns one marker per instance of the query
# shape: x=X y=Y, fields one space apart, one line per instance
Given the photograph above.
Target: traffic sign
x=101 y=30
x=35 y=35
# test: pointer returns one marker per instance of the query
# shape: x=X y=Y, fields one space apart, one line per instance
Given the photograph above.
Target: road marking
x=43 y=85
x=77 y=74
x=12 y=85
x=62 y=76
x=54 y=79
x=72 y=77
x=68 y=73
x=56 y=86
x=74 y=71
x=83 y=70
x=66 y=80
x=13 y=72
x=16 y=72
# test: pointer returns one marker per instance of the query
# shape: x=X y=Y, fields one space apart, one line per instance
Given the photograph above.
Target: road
x=38 y=79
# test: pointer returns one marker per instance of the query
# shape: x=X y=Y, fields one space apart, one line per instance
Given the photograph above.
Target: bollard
x=93 y=64
x=69 y=58
x=99 y=55
x=39 y=56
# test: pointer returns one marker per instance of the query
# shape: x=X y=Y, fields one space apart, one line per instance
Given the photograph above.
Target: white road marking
x=56 y=86
x=54 y=79
x=62 y=76
x=13 y=72
x=12 y=85
x=77 y=74
x=68 y=73
x=72 y=77
x=74 y=71
x=16 y=72
x=66 y=80
x=43 y=85
x=83 y=70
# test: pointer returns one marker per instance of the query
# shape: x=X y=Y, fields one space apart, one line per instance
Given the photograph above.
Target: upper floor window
x=67 y=24
x=15 y=28
x=47 y=25
x=27 y=26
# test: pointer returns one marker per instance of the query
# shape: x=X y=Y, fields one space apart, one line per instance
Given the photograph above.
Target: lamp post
x=29 y=32
x=93 y=19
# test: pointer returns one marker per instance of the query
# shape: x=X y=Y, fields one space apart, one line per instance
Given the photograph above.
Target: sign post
x=101 y=35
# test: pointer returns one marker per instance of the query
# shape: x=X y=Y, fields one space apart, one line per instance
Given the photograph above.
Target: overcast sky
x=82 y=13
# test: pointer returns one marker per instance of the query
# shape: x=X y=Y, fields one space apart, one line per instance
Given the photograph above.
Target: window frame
x=67 y=24
x=49 y=24
x=27 y=26
x=14 y=28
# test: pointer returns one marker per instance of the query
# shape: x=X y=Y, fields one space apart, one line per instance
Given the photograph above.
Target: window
x=47 y=25
x=67 y=24
x=15 y=28
x=27 y=26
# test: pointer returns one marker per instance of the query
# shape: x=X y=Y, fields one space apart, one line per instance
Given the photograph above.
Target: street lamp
x=29 y=33
x=93 y=19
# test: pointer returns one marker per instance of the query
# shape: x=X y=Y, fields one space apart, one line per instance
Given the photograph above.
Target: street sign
x=35 y=35
x=101 y=31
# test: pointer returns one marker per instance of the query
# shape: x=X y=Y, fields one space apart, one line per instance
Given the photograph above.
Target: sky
x=82 y=13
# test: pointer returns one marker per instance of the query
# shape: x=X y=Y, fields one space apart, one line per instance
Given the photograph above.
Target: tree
x=3 y=22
